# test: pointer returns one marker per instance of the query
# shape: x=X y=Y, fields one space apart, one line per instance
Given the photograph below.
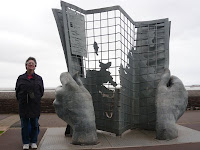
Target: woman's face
x=30 y=65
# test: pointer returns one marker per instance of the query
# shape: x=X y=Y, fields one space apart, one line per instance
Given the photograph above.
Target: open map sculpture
x=121 y=63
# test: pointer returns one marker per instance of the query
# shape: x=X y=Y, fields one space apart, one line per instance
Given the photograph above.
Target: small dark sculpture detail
x=96 y=47
x=171 y=103
x=100 y=93
x=74 y=105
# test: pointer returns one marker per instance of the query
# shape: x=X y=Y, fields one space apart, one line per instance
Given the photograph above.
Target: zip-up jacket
x=29 y=93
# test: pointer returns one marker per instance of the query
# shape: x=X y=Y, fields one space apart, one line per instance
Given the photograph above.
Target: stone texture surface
x=74 y=105
x=171 y=103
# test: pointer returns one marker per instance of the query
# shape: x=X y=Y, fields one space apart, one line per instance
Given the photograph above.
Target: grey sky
x=28 y=28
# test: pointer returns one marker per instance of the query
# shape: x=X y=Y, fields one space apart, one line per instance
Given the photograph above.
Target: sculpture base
x=54 y=139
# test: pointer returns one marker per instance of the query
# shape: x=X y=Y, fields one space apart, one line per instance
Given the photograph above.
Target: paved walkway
x=7 y=122
x=11 y=138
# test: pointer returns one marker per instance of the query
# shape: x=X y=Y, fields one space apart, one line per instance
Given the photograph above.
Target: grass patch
x=1 y=132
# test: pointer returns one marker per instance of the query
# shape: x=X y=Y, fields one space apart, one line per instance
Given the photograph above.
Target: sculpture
x=171 y=103
x=74 y=105
x=120 y=65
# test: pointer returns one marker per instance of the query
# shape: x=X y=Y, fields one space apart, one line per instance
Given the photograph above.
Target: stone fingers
x=68 y=82
x=176 y=84
x=164 y=82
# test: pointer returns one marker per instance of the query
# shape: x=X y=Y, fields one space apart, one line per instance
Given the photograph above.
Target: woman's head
x=31 y=63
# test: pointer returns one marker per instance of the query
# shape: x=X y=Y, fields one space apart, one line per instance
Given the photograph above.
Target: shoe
x=68 y=131
x=34 y=145
x=26 y=146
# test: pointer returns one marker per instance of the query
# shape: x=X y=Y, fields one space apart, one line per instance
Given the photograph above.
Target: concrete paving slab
x=51 y=120
x=8 y=121
x=3 y=116
x=54 y=139
x=11 y=139
x=186 y=135
x=130 y=137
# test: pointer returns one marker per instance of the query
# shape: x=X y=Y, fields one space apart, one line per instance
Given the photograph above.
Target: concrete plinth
x=54 y=139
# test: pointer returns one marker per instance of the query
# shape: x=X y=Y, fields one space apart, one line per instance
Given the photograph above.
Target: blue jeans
x=32 y=136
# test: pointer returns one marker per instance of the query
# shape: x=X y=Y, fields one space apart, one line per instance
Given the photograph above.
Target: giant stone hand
x=171 y=102
x=74 y=105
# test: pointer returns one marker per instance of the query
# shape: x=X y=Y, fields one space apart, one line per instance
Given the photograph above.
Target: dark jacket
x=29 y=93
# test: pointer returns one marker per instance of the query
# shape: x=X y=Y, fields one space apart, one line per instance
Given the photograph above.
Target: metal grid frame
x=114 y=33
x=113 y=40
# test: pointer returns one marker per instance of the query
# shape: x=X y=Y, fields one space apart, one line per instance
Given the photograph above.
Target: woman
x=29 y=90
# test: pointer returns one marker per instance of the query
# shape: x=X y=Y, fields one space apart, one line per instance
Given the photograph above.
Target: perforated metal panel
x=151 y=55
x=120 y=62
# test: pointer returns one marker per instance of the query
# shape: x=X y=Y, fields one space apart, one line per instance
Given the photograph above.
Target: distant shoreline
x=190 y=87
x=12 y=89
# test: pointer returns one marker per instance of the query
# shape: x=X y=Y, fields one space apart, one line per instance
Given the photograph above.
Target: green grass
x=1 y=132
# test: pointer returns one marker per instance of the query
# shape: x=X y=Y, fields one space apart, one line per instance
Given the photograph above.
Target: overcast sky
x=28 y=28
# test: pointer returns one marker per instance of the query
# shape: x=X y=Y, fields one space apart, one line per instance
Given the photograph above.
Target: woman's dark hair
x=31 y=58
